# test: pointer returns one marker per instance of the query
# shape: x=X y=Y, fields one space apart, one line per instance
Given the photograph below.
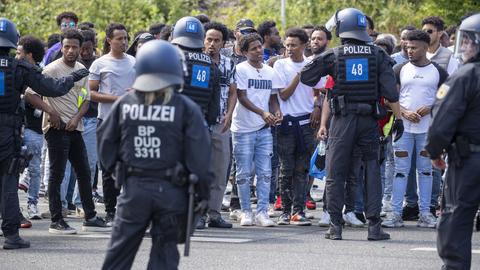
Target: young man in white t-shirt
x=251 y=136
x=295 y=134
x=418 y=82
x=110 y=77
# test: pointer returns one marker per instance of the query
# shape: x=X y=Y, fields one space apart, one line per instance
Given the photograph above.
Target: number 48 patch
x=357 y=69
x=200 y=76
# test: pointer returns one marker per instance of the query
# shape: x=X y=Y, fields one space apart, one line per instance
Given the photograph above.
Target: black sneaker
x=109 y=218
x=361 y=217
x=433 y=210
x=410 y=213
x=284 y=219
x=61 y=227
x=95 y=224
x=219 y=223
x=71 y=207
x=97 y=198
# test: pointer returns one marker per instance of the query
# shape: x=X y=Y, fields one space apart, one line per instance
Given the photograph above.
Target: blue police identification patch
x=2 y=84
x=192 y=27
x=200 y=76
x=361 y=20
x=356 y=69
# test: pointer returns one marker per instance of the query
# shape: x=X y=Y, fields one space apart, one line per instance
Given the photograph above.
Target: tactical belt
x=160 y=174
x=359 y=108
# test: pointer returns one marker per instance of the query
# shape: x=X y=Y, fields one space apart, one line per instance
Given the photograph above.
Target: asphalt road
x=285 y=247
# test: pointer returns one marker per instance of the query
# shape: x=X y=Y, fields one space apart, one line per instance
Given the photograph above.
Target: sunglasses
x=69 y=25
x=429 y=31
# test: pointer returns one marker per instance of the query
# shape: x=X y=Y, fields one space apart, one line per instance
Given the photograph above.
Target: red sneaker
x=278 y=204
x=311 y=204
x=25 y=223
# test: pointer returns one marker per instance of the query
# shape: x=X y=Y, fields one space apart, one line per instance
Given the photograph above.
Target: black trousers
x=9 y=200
x=110 y=193
x=347 y=133
x=461 y=197
x=62 y=146
x=294 y=166
x=145 y=200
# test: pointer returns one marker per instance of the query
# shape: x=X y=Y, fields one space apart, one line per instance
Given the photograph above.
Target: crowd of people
x=263 y=135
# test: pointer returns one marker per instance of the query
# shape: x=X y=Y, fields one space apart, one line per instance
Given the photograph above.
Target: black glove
x=397 y=129
x=79 y=74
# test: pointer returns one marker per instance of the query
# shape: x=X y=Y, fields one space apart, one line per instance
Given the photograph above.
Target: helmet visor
x=467 y=45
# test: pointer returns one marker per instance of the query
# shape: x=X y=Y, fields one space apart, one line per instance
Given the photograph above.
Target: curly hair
x=219 y=27
x=245 y=40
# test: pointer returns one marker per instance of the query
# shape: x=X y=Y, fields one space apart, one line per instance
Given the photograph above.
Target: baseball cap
x=244 y=24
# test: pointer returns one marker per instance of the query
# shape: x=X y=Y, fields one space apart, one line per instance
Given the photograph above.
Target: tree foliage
x=37 y=17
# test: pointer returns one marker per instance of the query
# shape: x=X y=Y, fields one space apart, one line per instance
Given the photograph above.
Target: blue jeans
x=34 y=143
x=253 y=149
x=387 y=170
x=90 y=138
x=403 y=149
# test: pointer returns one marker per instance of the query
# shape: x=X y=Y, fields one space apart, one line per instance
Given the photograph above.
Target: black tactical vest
x=199 y=82
x=9 y=96
x=152 y=135
x=356 y=73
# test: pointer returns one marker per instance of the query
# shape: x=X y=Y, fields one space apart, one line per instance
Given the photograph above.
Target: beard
x=319 y=50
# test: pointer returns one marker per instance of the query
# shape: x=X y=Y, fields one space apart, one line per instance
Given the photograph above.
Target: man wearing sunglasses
x=65 y=20
x=434 y=27
x=244 y=27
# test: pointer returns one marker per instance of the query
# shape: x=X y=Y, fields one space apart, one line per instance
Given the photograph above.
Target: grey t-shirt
x=115 y=76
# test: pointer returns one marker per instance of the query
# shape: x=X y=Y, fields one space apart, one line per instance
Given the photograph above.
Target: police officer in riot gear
x=149 y=135
x=362 y=73
x=15 y=76
x=202 y=82
x=454 y=130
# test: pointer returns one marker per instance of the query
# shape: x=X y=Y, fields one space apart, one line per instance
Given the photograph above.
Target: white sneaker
x=309 y=214
x=387 y=206
x=263 y=220
x=246 y=219
x=325 y=220
x=427 y=220
x=351 y=220
x=394 y=220
x=32 y=211
x=272 y=212
x=235 y=215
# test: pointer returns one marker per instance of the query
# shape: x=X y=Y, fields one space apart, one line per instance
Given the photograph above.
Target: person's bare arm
x=288 y=91
x=243 y=99
x=73 y=123
x=97 y=96
x=37 y=102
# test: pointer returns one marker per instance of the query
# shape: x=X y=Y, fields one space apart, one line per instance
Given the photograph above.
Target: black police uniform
x=15 y=75
x=202 y=83
x=362 y=74
x=455 y=128
x=150 y=140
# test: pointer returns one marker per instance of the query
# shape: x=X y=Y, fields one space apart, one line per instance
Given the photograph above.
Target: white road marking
x=474 y=251
x=194 y=238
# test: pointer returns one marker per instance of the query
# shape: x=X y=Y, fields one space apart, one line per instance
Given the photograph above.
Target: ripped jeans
x=253 y=150
x=403 y=149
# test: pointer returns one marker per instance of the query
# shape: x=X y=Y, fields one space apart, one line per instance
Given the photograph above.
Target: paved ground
x=286 y=247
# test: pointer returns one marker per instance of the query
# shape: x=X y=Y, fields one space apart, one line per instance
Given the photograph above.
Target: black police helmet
x=8 y=34
x=467 y=45
x=159 y=64
x=352 y=23
x=188 y=32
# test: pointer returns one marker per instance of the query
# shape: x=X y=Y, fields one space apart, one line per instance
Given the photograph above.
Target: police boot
x=334 y=232
x=15 y=242
x=375 y=231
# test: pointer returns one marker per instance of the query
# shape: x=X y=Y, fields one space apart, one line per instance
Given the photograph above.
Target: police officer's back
x=202 y=81
x=149 y=136
x=362 y=73
x=15 y=76
x=455 y=130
